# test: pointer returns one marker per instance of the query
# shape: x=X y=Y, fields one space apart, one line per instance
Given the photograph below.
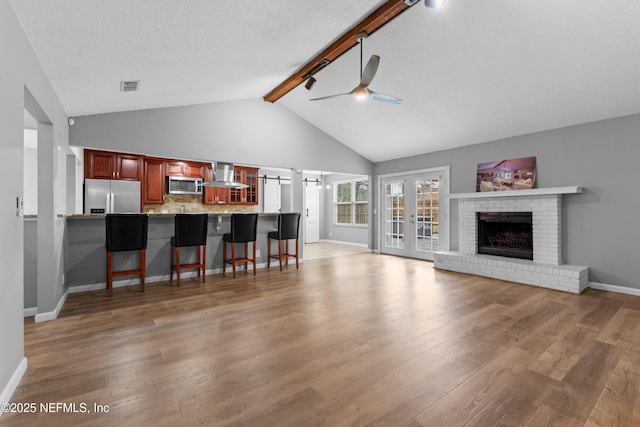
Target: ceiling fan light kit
x=362 y=91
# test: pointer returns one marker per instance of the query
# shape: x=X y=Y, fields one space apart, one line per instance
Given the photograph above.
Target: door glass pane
x=427 y=215
x=394 y=215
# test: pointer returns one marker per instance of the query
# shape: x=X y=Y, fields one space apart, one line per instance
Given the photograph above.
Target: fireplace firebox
x=507 y=234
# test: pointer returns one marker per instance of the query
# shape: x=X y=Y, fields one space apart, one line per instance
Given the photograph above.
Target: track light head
x=311 y=81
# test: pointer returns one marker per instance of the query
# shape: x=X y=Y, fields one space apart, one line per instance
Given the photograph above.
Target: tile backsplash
x=174 y=203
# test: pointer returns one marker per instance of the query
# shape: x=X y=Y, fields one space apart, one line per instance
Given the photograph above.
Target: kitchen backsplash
x=174 y=203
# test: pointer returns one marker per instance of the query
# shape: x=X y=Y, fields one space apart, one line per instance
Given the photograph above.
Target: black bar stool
x=288 y=227
x=126 y=232
x=243 y=230
x=190 y=230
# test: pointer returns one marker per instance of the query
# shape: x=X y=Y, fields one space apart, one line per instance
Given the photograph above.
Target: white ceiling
x=471 y=72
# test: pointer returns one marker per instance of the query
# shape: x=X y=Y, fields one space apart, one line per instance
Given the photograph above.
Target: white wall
x=599 y=225
x=30 y=172
x=251 y=132
x=20 y=70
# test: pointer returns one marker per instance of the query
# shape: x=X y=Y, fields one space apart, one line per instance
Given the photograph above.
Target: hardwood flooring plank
x=358 y=340
x=562 y=355
x=619 y=401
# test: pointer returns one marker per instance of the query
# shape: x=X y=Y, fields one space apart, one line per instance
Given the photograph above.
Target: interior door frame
x=445 y=222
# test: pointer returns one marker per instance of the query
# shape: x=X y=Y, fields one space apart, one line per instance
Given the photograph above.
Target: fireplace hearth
x=507 y=234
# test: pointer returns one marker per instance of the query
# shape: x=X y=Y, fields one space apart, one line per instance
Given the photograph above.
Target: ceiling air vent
x=129 y=86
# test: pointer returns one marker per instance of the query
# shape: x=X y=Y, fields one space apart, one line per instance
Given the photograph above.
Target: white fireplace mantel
x=518 y=193
x=546 y=269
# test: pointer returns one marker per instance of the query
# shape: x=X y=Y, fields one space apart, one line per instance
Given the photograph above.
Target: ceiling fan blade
x=329 y=97
x=384 y=98
x=370 y=70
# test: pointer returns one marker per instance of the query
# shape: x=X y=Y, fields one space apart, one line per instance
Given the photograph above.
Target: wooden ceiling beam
x=372 y=22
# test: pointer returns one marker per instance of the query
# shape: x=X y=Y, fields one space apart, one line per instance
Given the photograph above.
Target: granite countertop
x=153 y=215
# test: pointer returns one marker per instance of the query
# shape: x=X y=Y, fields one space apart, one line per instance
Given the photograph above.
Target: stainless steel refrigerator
x=111 y=196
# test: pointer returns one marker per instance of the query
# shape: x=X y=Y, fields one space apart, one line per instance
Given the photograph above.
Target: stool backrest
x=191 y=229
x=288 y=225
x=244 y=227
x=126 y=232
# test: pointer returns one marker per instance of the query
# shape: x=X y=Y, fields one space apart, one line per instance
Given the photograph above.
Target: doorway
x=414 y=208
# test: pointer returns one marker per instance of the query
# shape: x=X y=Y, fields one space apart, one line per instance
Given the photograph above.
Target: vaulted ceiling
x=470 y=72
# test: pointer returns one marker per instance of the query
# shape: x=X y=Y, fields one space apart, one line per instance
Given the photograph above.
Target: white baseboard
x=32 y=311
x=11 y=386
x=614 y=288
x=152 y=279
x=52 y=315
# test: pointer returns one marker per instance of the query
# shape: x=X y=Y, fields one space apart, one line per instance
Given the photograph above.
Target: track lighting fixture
x=311 y=81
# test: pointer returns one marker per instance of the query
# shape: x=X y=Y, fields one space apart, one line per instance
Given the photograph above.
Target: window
x=351 y=201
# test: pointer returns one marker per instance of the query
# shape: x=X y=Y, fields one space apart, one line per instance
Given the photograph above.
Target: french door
x=412 y=214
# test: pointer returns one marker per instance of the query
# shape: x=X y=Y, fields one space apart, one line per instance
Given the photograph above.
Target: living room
x=594 y=150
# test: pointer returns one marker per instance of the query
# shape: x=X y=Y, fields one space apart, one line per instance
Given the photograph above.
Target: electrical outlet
x=257 y=253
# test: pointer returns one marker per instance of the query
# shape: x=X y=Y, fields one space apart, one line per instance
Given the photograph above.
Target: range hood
x=223 y=176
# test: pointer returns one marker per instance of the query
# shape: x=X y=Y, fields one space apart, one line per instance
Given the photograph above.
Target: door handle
x=307 y=212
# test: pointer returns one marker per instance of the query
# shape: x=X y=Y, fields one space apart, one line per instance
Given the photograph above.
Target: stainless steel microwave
x=184 y=185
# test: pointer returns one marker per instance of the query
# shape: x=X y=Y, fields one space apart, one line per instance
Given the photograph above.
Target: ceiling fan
x=362 y=91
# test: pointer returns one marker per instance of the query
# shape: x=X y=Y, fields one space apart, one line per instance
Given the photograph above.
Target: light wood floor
x=357 y=340
x=331 y=249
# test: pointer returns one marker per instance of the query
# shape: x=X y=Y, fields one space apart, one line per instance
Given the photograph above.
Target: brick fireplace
x=545 y=269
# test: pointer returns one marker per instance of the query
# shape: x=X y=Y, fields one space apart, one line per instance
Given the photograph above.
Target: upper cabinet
x=249 y=195
x=153 y=186
x=183 y=168
x=108 y=165
x=152 y=173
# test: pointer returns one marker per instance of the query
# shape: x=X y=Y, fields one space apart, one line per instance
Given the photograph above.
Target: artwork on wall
x=506 y=175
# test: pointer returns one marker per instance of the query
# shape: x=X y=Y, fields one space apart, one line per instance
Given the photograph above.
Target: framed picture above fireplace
x=506 y=175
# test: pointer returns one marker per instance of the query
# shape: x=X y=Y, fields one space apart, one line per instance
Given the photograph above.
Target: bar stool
x=288 y=226
x=243 y=230
x=190 y=230
x=126 y=232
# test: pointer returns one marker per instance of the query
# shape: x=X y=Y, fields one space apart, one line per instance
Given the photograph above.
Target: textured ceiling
x=471 y=72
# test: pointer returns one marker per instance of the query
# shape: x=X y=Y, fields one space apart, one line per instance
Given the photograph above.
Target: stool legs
x=141 y=270
x=178 y=265
x=201 y=256
x=143 y=266
x=282 y=254
x=233 y=261
x=173 y=248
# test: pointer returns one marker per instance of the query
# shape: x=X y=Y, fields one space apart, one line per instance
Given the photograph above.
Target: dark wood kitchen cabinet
x=245 y=196
x=153 y=186
x=184 y=168
x=109 y=165
x=214 y=195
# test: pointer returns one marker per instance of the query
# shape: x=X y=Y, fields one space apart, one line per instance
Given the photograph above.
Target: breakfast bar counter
x=85 y=254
